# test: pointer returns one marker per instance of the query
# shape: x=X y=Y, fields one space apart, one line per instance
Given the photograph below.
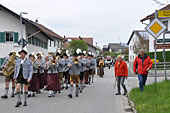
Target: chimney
x=36 y=20
x=80 y=38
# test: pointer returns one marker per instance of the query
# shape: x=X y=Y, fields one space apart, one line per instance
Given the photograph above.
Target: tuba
x=10 y=65
x=75 y=60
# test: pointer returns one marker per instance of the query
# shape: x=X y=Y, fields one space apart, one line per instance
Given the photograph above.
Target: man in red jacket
x=142 y=65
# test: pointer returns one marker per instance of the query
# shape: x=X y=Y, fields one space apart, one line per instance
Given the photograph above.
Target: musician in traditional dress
x=93 y=67
x=90 y=63
x=34 y=84
x=66 y=72
x=74 y=72
x=8 y=78
x=101 y=67
x=82 y=70
x=52 y=77
x=61 y=65
x=23 y=75
x=87 y=70
x=39 y=66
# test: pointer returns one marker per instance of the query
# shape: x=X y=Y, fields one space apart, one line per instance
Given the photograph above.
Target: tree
x=141 y=43
x=75 y=44
x=126 y=51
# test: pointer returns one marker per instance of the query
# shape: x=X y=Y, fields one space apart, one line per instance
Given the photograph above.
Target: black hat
x=75 y=54
x=22 y=51
x=10 y=53
x=58 y=54
x=64 y=54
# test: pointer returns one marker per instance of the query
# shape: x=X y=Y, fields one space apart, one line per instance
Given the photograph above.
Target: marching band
x=53 y=73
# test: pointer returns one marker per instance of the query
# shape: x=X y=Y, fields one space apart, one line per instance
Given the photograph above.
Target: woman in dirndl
x=52 y=77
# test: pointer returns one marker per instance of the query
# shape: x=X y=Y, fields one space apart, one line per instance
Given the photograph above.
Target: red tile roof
x=153 y=14
x=88 y=40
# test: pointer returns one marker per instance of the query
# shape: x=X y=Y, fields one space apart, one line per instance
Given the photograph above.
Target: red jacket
x=121 y=69
x=141 y=68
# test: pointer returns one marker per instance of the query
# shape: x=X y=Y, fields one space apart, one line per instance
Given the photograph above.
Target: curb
x=131 y=103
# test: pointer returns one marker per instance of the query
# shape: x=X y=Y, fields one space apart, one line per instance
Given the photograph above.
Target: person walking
x=121 y=73
x=142 y=65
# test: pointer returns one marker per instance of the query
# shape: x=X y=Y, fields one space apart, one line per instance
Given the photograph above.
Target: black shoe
x=39 y=92
x=49 y=95
x=33 y=95
x=77 y=95
x=70 y=95
x=59 y=91
x=29 y=95
x=118 y=93
x=62 y=88
x=12 y=96
x=21 y=92
x=18 y=104
x=25 y=104
x=124 y=93
x=81 y=91
x=4 y=97
x=66 y=87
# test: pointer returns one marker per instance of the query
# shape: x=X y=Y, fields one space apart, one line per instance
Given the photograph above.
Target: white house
x=136 y=34
x=166 y=22
x=36 y=36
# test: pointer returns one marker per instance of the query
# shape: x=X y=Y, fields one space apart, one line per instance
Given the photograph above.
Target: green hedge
x=160 y=56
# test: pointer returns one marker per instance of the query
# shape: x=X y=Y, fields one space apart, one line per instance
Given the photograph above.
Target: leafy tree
x=75 y=44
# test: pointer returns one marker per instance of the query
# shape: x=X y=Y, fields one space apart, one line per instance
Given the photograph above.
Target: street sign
x=163 y=13
x=24 y=42
x=163 y=46
x=156 y=28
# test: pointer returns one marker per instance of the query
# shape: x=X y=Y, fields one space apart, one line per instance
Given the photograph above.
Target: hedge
x=160 y=56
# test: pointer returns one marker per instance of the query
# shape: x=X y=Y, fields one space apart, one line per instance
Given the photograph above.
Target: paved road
x=97 y=98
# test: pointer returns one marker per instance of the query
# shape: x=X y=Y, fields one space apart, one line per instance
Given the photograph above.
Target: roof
x=151 y=16
x=45 y=30
x=116 y=46
x=139 y=33
x=88 y=40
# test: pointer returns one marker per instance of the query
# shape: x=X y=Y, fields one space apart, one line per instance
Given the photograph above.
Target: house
x=134 y=40
x=165 y=21
x=88 y=40
x=105 y=48
x=117 y=47
x=36 y=35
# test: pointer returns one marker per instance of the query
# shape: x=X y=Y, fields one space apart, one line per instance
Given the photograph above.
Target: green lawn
x=154 y=98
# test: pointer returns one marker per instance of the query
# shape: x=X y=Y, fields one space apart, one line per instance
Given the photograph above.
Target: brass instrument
x=75 y=60
x=10 y=65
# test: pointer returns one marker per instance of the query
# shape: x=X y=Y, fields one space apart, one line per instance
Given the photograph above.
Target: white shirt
x=22 y=60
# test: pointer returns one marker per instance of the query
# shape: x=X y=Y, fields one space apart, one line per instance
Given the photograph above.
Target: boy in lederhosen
x=74 y=72
x=23 y=75
x=8 y=78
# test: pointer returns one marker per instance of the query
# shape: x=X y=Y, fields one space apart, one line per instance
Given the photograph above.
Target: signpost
x=156 y=28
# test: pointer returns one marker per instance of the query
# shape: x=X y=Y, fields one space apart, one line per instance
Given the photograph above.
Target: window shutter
x=15 y=37
x=2 y=37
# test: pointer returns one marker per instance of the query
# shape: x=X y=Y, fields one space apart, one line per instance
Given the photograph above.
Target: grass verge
x=154 y=99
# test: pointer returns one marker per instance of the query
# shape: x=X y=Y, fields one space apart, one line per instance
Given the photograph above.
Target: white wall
x=57 y=46
x=132 y=55
x=9 y=23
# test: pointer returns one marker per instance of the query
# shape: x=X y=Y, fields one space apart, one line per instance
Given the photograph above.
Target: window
x=54 y=43
x=166 y=24
x=33 y=41
x=9 y=36
x=50 y=43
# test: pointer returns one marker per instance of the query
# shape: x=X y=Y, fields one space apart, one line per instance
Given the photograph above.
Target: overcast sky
x=105 y=20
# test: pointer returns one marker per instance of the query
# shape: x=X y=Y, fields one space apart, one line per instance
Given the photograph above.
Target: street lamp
x=21 y=28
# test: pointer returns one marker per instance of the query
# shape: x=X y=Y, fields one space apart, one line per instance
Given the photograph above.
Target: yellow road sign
x=164 y=13
x=156 y=28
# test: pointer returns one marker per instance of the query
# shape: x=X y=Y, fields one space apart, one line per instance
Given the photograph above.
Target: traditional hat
x=22 y=51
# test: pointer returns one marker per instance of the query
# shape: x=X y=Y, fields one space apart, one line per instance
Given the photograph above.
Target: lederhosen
x=20 y=78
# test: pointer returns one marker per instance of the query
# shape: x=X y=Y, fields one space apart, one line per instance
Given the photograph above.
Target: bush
x=159 y=56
